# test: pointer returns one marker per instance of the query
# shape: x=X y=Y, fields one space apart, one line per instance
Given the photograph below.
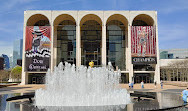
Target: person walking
x=142 y=84
x=185 y=95
x=129 y=85
x=155 y=83
x=132 y=83
x=161 y=84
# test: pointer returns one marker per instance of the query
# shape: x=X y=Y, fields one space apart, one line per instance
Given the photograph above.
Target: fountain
x=71 y=88
x=81 y=86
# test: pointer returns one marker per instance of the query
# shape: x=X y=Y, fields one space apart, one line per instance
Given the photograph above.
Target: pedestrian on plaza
x=129 y=85
x=132 y=83
x=161 y=84
x=155 y=83
x=142 y=84
x=185 y=95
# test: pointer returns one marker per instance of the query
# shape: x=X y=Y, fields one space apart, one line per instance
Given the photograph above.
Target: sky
x=172 y=17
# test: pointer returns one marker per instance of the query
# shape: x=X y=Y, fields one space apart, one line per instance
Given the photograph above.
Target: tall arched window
x=66 y=42
x=91 y=42
x=115 y=43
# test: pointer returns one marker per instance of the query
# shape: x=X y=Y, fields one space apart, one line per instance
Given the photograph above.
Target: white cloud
x=6 y=48
x=9 y=4
x=172 y=6
x=172 y=36
x=10 y=26
x=68 y=2
x=4 y=43
x=2 y=29
x=171 y=32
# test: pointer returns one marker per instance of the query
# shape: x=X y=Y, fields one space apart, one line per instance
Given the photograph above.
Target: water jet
x=69 y=85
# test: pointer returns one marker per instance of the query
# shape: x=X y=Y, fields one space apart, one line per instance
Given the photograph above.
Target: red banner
x=34 y=31
x=37 y=48
x=143 y=41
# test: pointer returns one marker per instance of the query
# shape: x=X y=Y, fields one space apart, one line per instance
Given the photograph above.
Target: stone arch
x=118 y=17
x=38 y=20
x=63 y=17
x=143 y=20
x=90 y=17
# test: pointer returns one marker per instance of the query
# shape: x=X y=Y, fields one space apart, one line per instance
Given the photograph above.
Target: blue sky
x=172 y=17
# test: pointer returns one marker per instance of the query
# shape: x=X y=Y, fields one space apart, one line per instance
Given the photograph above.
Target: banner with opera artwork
x=37 y=48
x=143 y=44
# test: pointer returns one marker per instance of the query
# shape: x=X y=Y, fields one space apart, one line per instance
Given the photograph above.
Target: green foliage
x=16 y=72
x=4 y=75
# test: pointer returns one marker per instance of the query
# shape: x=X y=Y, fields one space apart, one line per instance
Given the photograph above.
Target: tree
x=180 y=68
x=16 y=72
x=179 y=64
x=4 y=75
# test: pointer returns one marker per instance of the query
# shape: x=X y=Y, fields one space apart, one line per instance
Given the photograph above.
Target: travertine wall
x=101 y=17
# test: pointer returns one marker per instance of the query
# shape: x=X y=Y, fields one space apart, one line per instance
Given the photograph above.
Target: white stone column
x=129 y=61
x=103 y=51
x=24 y=74
x=52 y=48
x=126 y=50
x=78 y=45
x=157 y=67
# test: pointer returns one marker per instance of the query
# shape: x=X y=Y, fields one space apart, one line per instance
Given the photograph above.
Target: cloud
x=10 y=26
x=4 y=43
x=171 y=32
x=171 y=6
x=9 y=4
x=172 y=36
x=2 y=29
x=6 y=48
x=69 y=2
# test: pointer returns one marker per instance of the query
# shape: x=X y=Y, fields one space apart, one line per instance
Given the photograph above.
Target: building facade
x=173 y=53
x=17 y=51
x=174 y=65
x=1 y=63
x=6 y=62
x=128 y=39
x=174 y=70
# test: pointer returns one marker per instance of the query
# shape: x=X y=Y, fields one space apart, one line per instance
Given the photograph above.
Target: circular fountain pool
x=161 y=101
x=70 y=88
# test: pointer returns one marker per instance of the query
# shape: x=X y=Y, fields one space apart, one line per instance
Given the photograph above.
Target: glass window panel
x=115 y=46
x=91 y=43
x=66 y=35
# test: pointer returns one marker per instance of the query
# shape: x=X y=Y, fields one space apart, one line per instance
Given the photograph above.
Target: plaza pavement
x=137 y=87
x=151 y=88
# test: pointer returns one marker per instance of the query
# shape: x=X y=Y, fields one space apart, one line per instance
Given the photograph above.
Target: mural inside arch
x=143 y=44
x=37 y=48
